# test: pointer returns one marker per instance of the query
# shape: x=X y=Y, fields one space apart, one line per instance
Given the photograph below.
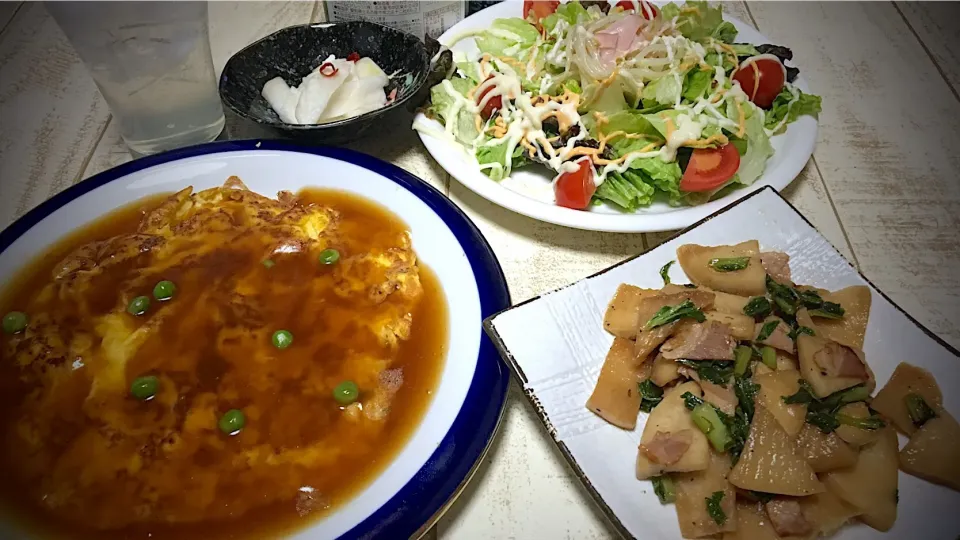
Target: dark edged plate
x=556 y=345
x=293 y=52
x=408 y=505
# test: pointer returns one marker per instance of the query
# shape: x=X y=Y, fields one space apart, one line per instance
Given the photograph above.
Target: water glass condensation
x=152 y=63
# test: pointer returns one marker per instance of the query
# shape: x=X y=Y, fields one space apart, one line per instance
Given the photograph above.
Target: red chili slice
x=353 y=57
x=328 y=70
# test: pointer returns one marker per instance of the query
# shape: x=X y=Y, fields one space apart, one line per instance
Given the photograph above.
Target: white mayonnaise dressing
x=459 y=103
x=500 y=84
x=545 y=82
x=687 y=130
x=555 y=55
x=625 y=165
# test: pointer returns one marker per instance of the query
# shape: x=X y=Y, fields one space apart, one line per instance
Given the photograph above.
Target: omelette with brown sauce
x=288 y=353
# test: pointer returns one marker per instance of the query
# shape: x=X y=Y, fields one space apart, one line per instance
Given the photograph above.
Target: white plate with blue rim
x=529 y=190
x=432 y=467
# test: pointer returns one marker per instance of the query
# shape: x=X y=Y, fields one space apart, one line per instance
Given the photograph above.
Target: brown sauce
x=88 y=461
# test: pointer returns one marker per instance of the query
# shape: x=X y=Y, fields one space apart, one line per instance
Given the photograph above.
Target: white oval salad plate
x=529 y=190
x=434 y=464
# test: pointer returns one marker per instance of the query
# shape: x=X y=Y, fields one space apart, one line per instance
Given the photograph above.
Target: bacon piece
x=705 y=341
x=667 y=448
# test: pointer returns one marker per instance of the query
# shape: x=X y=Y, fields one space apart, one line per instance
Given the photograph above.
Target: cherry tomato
x=540 y=8
x=761 y=78
x=575 y=189
x=709 y=168
x=493 y=104
x=646 y=9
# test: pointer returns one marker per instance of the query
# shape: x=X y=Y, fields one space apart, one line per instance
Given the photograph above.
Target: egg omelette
x=295 y=314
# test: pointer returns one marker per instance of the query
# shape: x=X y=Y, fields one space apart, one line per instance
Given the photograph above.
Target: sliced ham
x=700 y=341
x=787 y=517
x=721 y=397
x=619 y=38
x=839 y=361
x=647 y=340
x=779 y=339
x=606 y=40
x=667 y=448
x=776 y=265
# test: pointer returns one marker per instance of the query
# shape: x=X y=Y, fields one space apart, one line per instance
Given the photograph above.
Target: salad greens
x=637 y=99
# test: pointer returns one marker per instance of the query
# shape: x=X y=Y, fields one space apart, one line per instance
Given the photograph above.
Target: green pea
x=138 y=306
x=346 y=392
x=282 y=339
x=144 y=388
x=267 y=263
x=14 y=322
x=329 y=256
x=232 y=421
x=164 y=290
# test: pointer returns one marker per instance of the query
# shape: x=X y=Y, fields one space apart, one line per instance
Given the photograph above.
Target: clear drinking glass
x=152 y=63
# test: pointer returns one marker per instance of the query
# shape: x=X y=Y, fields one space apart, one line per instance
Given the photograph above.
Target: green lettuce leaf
x=507 y=37
x=664 y=176
x=444 y=97
x=782 y=108
x=759 y=149
x=725 y=32
x=628 y=191
x=470 y=70
x=498 y=154
x=609 y=102
x=664 y=90
x=744 y=49
x=709 y=130
x=568 y=12
x=740 y=144
x=630 y=121
x=698 y=21
x=573 y=85
x=713 y=58
x=461 y=85
x=443 y=101
x=697 y=83
x=658 y=120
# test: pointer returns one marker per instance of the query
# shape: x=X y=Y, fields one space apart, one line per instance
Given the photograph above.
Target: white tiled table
x=883 y=186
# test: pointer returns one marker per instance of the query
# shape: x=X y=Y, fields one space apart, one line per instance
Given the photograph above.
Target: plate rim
x=626 y=222
x=532 y=399
x=420 y=502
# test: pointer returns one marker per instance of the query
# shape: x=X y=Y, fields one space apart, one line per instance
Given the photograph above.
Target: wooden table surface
x=883 y=186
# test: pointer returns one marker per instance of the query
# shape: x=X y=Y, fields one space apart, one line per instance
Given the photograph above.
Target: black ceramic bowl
x=293 y=52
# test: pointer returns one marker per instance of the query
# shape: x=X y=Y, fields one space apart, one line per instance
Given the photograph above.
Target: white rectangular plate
x=556 y=345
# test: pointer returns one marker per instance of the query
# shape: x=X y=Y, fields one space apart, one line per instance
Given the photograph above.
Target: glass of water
x=152 y=63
